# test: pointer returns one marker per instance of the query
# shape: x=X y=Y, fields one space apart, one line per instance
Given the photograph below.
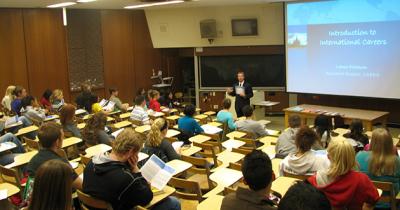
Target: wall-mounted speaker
x=208 y=28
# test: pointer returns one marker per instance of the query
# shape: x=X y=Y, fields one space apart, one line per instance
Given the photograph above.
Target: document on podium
x=157 y=172
x=239 y=90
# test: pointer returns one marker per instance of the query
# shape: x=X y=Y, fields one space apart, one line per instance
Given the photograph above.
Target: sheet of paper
x=115 y=134
x=239 y=90
x=80 y=111
x=110 y=106
x=211 y=129
x=103 y=102
x=177 y=145
x=3 y=194
x=157 y=172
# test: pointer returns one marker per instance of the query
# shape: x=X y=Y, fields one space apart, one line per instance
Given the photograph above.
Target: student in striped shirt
x=139 y=113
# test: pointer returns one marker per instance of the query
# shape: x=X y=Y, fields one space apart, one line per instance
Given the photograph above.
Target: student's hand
x=133 y=160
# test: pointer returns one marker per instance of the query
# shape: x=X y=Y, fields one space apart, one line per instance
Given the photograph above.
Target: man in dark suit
x=243 y=92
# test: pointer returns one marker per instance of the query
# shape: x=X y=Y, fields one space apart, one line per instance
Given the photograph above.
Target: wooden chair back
x=208 y=151
x=32 y=144
x=136 y=123
x=88 y=202
x=241 y=151
x=185 y=189
x=250 y=143
x=228 y=190
x=387 y=187
x=225 y=130
x=200 y=166
x=84 y=160
x=68 y=134
x=235 y=166
x=11 y=176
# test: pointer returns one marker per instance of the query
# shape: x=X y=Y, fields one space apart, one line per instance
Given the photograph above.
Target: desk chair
x=31 y=144
x=387 y=187
x=136 y=123
x=201 y=172
x=235 y=166
x=11 y=176
x=84 y=160
x=185 y=189
x=88 y=202
x=208 y=151
x=228 y=190
x=250 y=143
x=241 y=151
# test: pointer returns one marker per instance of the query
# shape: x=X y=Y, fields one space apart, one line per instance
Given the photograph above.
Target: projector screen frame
x=285 y=29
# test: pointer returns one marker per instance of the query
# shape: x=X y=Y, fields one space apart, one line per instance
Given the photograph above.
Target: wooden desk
x=19 y=123
x=212 y=202
x=97 y=149
x=11 y=189
x=179 y=166
x=232 y=143
x=70 y=142
x=368 y=117
x=209 y=129
x=341 y=131
x=125 y=116
x=209 y=113
x=189 y=151
x=81 y=126
x=236 y=134
x=201 y=117
x=143 y=128
x=216 y=124
x=172 y=133
x=227 y=157
x=269 y=140
x=199 y=138
x=22 y=159
x=282 y=184
x=27 y=130
x=110 y=119
x=113 y=113
x=80 y=111
x=167 y=191
x=270 y=150
x=122 y=124
x=173 y=117
x=156 y=114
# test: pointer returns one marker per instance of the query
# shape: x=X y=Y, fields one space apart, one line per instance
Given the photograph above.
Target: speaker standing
x=242 y=91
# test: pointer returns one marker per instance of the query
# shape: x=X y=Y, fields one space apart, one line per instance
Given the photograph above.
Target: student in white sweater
x=286 y=142
x=304 y=161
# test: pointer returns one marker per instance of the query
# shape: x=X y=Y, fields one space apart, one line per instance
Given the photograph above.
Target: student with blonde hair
x=8 y=97
x=157 y=144
x=344 y=187
x=115 y=177
x=380 y=163
x=57 y=100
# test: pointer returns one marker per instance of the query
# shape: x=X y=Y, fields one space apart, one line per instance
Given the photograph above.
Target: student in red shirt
x=344 y=187
x=154 y=104
x=45 y=100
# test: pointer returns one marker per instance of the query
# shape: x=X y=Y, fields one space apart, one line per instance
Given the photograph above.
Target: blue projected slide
x=344 y=47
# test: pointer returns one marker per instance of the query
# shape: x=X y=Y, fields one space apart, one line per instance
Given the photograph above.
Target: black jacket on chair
x=240 y=101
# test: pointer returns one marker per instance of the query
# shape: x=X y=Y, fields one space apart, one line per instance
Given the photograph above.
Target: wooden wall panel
x=118 y=52
x=46 y=50
x=12 y=50
x=145 y=56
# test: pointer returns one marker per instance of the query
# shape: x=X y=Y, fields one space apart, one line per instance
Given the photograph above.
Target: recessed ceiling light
x=85 y=1
x=63 y=4
x=154 y=4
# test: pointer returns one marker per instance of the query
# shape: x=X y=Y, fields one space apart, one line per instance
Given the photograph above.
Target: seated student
x=95 y=107
x=52 y=188
x=250 y=125
x=344 y=187
x=19 y=93
x=304 y=196
x=304 y=161
x=6 y=158
x=148 y=98
x=168 y=100
x=139 y=113
x=45 y=100
x=357 y=133
x=122 y=184
x=84 y=99
x=225 y=116
x=32 y=110
x=380 y=163
x=50 y=137
x=57 y=100
x=323 y=127
x=94 y=132
x=286 y=141
x=67 y=114
x=154 y=104
x=157 y=144
x=258 y=175
x=118 y=104
x=8 y=97
x=188 y=124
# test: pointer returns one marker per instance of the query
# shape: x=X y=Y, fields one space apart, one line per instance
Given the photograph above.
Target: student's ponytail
x=154 y=136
